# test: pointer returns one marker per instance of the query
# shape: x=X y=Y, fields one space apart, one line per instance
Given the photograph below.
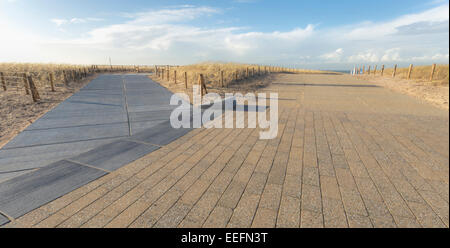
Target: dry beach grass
x=422 y=74
x=242 y=78
x=435 y=92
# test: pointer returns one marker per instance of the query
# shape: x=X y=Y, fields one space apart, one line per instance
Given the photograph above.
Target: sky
x=322 y=34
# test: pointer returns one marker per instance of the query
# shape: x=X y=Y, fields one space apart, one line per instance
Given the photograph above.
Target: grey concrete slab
x=138 y=84
x=65 y=135
x=105 y=82
x=96 y=113
x=22 y=194
x=86 y=120
x=139 y=126
x=74 y=115
x=114 y=155
x=145 y=108
x=161 y=134
x=92 y=128
x=86 y=107
x=150 y=115
x=39 y=156
x=8 y=175
x=3 y=220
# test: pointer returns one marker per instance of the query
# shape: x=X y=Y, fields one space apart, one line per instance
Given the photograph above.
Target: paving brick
x=289 y=213
x=218 y=218
x=174 y=216
x=256 y=183
x=293 y=186
x=311 y=176
x=403 y=222
x=232 y=194
x=383 y=221
x=357 y=221
x=333 y=213
x=264 y=218
x=270 y=198
x=311 y=198
x=201 y=210
x=425 y=215
x=311 y=219
x=353 y=203
x=157 y=209
x=440 y=207
x=329 y=187
x=191 y=196
x=245 y=211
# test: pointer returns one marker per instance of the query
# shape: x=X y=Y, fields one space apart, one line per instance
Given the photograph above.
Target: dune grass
x=40 y=72
x=233 y=73
x=422 y=74
x=13 y=72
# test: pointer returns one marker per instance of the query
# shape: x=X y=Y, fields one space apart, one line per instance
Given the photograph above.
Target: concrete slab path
x=112 y=121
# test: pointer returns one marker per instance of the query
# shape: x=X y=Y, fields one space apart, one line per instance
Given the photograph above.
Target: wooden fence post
x=201 y=82
x=65 y=77
x=175 y=76
x=375 y=70
x=185 y=80
x=25 y=83
x=364 y=69
x=221 y=79
x=168 y=75
x=34 y=91
x=162 y=73
x=368 y=70
x=409 y=71
x=50 y=78
x=246 y=73
x=433 y=68
x=3 y=81
x=382 y=70
x=395 y=71
x=236 y=76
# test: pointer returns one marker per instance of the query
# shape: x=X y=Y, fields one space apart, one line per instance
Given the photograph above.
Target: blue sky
x=325 y=34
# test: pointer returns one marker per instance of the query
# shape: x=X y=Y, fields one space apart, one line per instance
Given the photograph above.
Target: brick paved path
x=348 y=154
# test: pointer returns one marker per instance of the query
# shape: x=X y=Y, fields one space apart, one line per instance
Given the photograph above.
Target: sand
x=437 y=95
x=245 y=86
x=18 y=111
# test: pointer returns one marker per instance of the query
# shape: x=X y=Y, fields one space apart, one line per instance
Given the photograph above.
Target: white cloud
x=368 y=56
x=75 y=20
x=168 y=36
x=59 y=22
x=333 y=56
x=391 y=55
x=171 y=15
